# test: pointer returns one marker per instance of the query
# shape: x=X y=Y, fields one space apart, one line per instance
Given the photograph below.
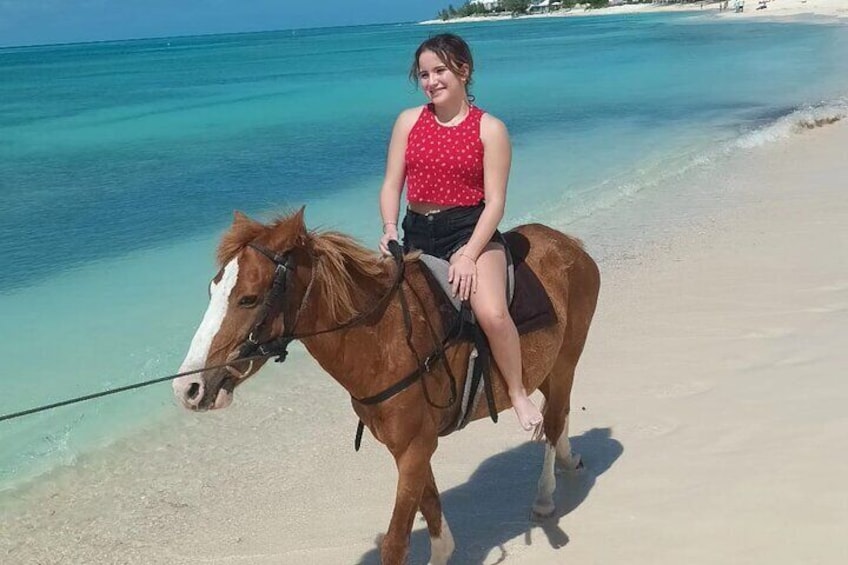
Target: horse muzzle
x=200 y=393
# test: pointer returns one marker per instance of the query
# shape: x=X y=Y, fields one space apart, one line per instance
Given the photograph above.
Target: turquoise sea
x=121 y=164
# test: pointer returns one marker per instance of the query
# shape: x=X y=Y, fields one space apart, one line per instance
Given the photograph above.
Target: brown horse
x=341 y=300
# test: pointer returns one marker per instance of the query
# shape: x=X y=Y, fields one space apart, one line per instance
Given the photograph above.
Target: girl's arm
x=392 y=187
x=497 y=158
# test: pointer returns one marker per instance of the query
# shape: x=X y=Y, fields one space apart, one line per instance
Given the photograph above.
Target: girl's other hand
x=462 y=275
x=389 y=234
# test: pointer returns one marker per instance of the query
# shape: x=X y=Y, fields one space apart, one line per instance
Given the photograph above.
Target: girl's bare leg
x=490 y=308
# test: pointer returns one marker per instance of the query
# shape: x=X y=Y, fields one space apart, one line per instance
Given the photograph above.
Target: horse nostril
x=193 y=390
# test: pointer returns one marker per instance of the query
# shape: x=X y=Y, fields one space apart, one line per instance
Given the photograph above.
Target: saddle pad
x=529 y=305
x=531 y=308
x=439 y=269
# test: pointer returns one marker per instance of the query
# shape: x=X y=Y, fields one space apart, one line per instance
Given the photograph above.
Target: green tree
x=467 y=9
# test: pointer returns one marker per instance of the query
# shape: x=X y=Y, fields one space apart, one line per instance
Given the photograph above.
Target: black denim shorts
x=443 y=233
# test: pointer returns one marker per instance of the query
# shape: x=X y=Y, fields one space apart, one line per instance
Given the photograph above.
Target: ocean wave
x=687 y=163
x=797 y=121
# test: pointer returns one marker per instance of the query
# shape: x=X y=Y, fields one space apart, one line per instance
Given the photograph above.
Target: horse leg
x=565 y=458
x=441 y=539
x=557 y=391
x=413 y=464
x=543 y=506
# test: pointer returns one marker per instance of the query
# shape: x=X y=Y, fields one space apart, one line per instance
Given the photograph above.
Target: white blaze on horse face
x=219 y=296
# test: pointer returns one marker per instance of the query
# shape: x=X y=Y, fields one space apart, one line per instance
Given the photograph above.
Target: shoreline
x=709 y=395
x=711 y=380
x=777 y=9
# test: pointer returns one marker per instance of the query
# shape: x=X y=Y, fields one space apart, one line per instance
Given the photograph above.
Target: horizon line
x=184 y=36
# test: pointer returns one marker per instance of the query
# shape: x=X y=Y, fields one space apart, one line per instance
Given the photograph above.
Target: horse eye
x=248 y=301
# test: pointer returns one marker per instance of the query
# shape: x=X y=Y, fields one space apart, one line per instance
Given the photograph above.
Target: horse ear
x=240 y=218
x=299 y=224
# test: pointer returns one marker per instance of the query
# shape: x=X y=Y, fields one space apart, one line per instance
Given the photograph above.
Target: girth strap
x=399 y=386
x=481 y=371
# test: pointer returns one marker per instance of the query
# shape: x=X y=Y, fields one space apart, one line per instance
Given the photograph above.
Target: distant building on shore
x=488 y=4
x=542 y=6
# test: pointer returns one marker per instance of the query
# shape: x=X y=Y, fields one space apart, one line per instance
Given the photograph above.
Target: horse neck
x=356 y=357
x=334 y=350
x=365 y=291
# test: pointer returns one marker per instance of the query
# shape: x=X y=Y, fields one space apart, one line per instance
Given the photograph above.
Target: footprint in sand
x=829 y=309
x=795 y=361
x=835 y=287
x=652 y=428
x=769 y=333
x=682 y=389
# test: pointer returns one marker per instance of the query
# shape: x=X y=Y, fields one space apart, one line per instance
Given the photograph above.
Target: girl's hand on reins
x=389 y=233
x=462 y=275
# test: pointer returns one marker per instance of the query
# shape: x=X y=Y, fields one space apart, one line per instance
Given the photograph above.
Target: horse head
x=263 y=276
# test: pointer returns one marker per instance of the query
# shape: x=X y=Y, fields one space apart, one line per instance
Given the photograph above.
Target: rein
x=111 y=391
x=275 y=300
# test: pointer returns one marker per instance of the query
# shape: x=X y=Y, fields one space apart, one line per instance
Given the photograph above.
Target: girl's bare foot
x=528 y=415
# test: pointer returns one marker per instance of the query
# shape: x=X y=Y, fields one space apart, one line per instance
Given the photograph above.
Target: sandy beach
x=708 y=408
x=793 y=8
x=828 y=9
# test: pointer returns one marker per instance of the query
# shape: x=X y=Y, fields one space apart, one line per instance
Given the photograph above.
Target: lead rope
x=14 y=415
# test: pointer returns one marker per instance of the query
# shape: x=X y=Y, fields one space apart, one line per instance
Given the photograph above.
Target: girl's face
x=438 y=82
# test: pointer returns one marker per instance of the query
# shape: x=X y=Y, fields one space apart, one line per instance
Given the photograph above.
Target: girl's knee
x=493 y=319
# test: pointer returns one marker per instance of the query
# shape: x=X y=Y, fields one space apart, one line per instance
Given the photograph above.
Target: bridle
x=276 y=302
x=252 y=349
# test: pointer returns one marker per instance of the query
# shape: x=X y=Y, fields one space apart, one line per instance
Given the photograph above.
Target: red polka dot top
x=444 y=164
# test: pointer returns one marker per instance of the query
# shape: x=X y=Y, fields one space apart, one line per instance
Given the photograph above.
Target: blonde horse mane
x=242 y=232
x=339 y=259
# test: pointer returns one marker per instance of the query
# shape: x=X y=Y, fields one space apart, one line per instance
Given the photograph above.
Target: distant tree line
x=516 y=7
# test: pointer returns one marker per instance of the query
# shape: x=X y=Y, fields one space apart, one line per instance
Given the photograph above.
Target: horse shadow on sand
x=493 y=507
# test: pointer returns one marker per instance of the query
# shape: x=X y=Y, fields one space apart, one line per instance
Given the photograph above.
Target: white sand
x=792 y=8
x=710 y=408
x=775 y=9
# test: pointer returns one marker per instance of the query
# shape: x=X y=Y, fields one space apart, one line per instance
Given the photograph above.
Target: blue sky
x=30 y=22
